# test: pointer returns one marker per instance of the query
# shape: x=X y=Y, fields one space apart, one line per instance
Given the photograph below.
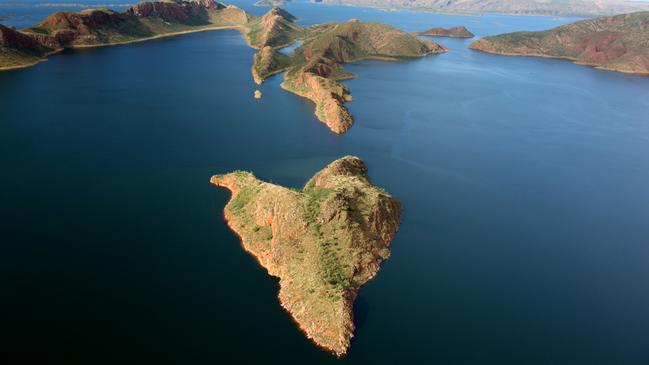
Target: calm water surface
x=524 y=182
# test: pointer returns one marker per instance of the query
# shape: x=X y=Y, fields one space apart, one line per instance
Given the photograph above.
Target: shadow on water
x=361 y=311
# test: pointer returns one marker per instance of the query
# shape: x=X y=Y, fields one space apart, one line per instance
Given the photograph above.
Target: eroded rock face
x=18 y=49
x=617 y=43
x=146 y=19
x=15 y=39
x=323 y=242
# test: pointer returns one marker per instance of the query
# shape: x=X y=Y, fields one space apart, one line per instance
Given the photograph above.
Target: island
x=455 y=32
x=616 y=43
x=271 y=2
x=323 y=242
x=314 y=70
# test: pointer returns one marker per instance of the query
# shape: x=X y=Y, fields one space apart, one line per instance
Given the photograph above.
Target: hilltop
x=617 y=43
x=323 y=242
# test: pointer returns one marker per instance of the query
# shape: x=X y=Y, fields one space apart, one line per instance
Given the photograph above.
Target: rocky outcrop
x=323 y=242
x=618 y=43
x=177 y=12
x=19 y=50
x=12 y=38
x=455 y=32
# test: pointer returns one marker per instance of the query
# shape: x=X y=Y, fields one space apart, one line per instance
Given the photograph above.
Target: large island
x=323 y=242
x=616 y=43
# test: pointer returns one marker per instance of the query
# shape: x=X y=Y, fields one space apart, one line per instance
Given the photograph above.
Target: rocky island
x=617 y=43
x=323 y=242
x=455 y=32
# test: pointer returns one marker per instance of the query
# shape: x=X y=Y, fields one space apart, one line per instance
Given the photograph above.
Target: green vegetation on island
x=323 y=242
x=617 y=43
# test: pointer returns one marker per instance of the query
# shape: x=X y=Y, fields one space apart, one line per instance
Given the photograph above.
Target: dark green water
x=524 y=182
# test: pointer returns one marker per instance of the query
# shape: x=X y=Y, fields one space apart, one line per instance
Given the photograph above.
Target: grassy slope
x=323 y=241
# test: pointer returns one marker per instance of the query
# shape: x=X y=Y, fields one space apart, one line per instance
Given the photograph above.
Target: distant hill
x=617 y=43
x=587 y=8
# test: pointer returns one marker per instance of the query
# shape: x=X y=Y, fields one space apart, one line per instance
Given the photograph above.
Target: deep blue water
x=526 y=222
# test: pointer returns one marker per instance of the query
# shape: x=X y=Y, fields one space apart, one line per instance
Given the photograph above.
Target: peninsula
x=323 y=242
x=455 y=32
x=314 y=69
x=616 y=43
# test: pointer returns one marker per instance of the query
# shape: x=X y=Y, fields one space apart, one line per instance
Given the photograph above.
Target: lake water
x=525 y=237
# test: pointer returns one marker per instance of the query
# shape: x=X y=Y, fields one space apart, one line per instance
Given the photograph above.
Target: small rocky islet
x=454 y=32
x=323 y=241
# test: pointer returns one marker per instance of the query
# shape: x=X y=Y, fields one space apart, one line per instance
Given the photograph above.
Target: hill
x=617 y=43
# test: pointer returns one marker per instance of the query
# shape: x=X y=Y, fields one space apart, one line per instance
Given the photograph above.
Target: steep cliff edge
x=323 y=242
x=617 y=43
x=455 y=32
